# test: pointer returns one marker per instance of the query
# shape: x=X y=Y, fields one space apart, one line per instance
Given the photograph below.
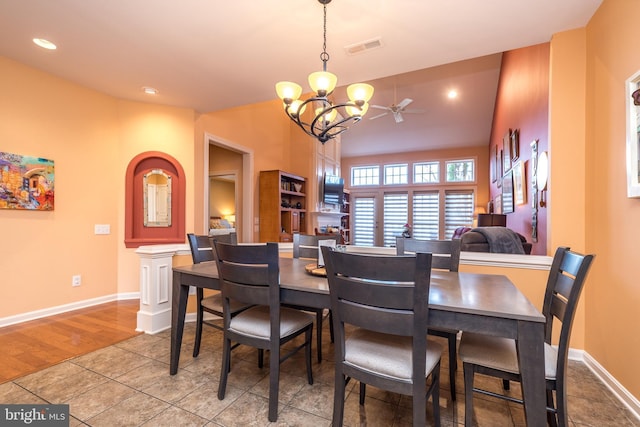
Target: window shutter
x=364 y=221
x=396 y=215
x=458 y=210
x=426 y=215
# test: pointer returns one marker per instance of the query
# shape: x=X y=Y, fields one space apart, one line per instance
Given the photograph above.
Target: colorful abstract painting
x=26 y=182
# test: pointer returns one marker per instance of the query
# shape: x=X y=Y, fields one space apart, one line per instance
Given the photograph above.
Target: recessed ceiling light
x=44 y=43
x=453 y=94
x=149 y=90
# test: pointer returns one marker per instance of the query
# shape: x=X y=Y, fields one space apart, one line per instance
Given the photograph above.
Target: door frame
x=246 y=207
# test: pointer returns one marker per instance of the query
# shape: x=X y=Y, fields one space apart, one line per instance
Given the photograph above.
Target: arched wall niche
x=136 y=234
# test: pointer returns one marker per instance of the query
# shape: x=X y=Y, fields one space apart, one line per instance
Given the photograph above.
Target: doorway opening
x=223 y=157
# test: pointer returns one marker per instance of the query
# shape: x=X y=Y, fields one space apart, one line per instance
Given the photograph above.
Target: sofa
x=475 y=240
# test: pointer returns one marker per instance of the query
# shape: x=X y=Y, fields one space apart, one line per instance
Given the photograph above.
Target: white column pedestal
x=156 y=274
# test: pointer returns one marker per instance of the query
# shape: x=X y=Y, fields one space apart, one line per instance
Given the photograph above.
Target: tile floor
x=128 y=384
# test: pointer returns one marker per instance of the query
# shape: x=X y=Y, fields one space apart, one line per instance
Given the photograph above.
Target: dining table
x=482 y=303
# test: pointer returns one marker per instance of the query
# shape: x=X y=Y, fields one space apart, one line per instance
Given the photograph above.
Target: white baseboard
x=618 y=390
x=38 y=314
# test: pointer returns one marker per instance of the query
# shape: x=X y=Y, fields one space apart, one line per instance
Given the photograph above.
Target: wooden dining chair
x=306 y=246
x=202 y=251
x=446 y=256
x=250 y=274
x=497 y=357
x=385 y=299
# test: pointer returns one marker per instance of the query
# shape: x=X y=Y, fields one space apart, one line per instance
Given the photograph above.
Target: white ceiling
x=212 y=55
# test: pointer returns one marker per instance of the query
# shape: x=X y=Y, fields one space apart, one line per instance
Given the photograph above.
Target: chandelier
x=328 y=119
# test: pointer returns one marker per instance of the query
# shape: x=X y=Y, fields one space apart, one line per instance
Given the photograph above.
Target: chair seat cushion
x=254 y=322
x=214 y=303
x=500 y=353
x=386 y=355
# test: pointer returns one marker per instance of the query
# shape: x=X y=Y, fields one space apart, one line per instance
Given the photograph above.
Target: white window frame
x=430 y=173
x=375 y=175
x=402 y=174
x=459 y=161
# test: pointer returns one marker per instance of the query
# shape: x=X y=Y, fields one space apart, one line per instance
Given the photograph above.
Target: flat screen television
x=332 y=189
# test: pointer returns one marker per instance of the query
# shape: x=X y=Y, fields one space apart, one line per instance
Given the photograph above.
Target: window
x=365 y=175
x=396 y=215
x=426 y=215
x=460 y=171
x=458 y=210
x=426 y=173
x=395 y=174
x=435 y=200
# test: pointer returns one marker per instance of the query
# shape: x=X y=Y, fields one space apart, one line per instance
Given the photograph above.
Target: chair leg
x=363 y=391
x=553 y=419
x=307 y=354
x=274 y=381
x=260 y=358
x=561 y=403
x=199 y=319
x=419 y=409
x=468 y=394
x=338 y=399
x=453 y=364
x=226 y=366
x=331 y=325
x=435 y=395
x=506 y=385
x=319 y=332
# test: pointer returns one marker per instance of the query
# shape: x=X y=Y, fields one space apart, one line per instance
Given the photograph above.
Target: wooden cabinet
x=283 y=206
x=345 y=220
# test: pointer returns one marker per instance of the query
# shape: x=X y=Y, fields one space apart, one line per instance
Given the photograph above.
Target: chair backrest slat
x=201 y=248
x=306 y=245
x=446 y=253
x=377 y=318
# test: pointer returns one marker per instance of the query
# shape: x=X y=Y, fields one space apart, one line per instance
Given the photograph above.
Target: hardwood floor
x=31 y=346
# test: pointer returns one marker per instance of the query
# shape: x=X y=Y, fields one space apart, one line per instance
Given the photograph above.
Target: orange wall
x=91 y=138
x=77 y=128
x=611 y=224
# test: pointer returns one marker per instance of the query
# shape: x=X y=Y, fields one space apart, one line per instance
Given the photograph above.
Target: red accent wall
x=523 y=103
x=136 y=234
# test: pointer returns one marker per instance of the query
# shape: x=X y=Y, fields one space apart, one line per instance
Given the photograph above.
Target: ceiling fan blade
x=413 y=111
x=398 y=117
x=405 y=102
x=379 y=115
x=379 y=107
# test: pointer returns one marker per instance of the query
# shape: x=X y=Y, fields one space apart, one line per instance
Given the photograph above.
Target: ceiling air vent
x=364 y=46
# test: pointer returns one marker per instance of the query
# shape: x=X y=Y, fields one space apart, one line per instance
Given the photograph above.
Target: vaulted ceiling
x=212 y=55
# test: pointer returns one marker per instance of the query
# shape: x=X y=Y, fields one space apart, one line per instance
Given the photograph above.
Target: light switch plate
x=102 y=229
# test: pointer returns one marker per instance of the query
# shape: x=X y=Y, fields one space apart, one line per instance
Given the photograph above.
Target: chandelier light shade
x=328 y=119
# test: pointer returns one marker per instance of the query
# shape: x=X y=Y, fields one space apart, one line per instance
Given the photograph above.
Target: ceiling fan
x=396 y=109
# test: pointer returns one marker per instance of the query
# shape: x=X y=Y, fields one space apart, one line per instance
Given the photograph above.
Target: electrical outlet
x=76 y=280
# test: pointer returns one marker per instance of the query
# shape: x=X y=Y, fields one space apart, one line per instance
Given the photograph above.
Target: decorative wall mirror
x=156 y=185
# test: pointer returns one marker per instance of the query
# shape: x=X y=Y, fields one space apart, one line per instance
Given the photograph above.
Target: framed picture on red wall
x=514 y=141
x=499 y=169
x=493 y=163
x=507 y=193
x=506 y=148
